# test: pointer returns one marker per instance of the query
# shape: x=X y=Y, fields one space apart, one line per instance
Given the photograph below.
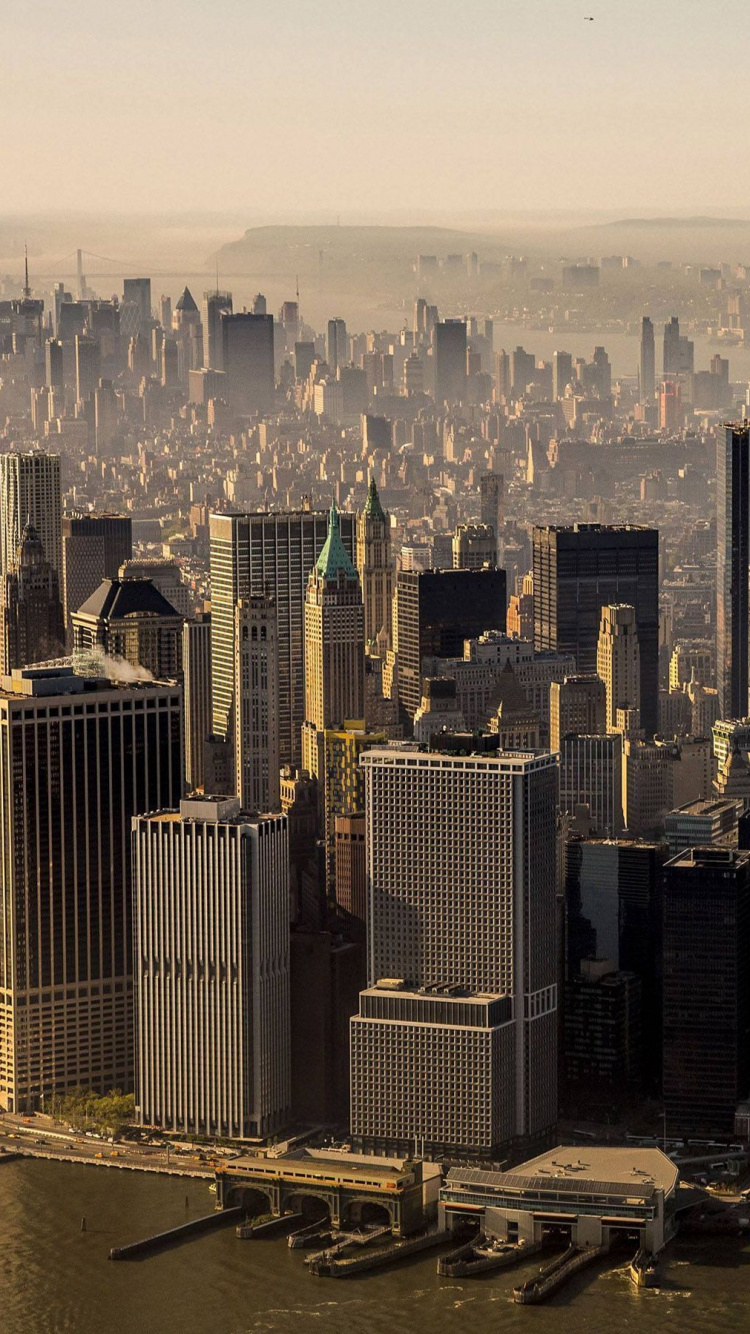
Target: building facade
x=196 y=676
x=256 y=742
x=436 y=610
x=579 y=570
x=255 y=554
x=461 y=952
x=706 y=988
x=211 y=949
x=375 y=566
x=334 y=647
x=732 y=565
x=32 y=619
x=78 y=758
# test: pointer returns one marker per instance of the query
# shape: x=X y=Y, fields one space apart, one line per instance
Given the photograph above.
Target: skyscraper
x=94 y=546
x=647 y=363
x=215 y=304
x=733 y=555
x=32 y=619
x=579 y=570
x=522 y=370
x=671 y=351
x=30 y=493
x=455 y=1042
x=79 y=758
x=256 y=746
x=450 y=361
x=334 y=647
x=136 y=292
x=258 y=554
x=562 y=373
x=338 y=345
x=196 y=675
x=474 y=546
x=577 y=704
x=211 y=936
x=436 y=610
x=374 y=563
x=706 y=987
x=88 y=366
x=53 y=364
x=618 y=663
x=491 y=499
x=591 y=777
x=247 y=349
x=613 y=910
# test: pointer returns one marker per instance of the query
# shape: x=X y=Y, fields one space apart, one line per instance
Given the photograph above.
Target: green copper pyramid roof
x=333 y=558
x=373 y=507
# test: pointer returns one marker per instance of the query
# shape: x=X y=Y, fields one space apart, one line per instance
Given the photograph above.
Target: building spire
x=26 y=288
x=334 y=558
x=373 y=507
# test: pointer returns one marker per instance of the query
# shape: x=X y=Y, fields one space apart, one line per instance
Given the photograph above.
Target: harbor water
x=57 y=1279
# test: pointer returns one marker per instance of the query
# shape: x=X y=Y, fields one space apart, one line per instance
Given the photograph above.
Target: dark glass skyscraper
x=579 y=570
x=436 y=611
x=78 y=758
x=706 y=987
x=732 y=527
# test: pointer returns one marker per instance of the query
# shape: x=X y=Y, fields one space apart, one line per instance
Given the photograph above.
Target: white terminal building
x=454 y=1047
x=597 y=1195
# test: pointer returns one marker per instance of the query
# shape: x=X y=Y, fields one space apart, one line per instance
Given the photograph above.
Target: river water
x=54 y=1279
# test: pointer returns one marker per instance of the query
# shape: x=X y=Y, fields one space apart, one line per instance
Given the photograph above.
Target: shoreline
x=121 y=1163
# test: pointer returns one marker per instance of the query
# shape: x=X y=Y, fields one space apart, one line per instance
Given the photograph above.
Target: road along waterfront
x=56 y=1279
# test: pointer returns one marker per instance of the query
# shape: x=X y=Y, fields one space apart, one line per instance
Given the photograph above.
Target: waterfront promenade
x=41 y=1137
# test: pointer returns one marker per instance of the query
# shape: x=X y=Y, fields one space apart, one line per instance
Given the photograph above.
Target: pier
x=331 y=1264
x=482 y=1256
x=175 y=1235
x=550 y=1279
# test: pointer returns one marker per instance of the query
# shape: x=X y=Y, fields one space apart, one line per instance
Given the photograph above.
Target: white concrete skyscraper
x=30 y=493
x=266 y=554
x=211 y=948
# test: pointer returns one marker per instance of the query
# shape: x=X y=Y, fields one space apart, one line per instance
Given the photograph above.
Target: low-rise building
x=597 y=1195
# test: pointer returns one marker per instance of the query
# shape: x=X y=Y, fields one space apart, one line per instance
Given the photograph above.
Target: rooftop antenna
x=26 y=289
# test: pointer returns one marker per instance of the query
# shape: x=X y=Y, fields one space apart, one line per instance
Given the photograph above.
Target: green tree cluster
x=103 y=1113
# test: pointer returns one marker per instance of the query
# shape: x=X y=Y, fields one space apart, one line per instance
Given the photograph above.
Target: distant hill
x=348 y=245
x=677 y=222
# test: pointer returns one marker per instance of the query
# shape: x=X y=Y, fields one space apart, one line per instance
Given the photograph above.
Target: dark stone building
x=32 y=624
x=436 y=610
x=706 y=988
x=579 y=570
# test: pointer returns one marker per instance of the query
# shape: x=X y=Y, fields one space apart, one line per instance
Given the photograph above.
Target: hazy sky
x=280 y=106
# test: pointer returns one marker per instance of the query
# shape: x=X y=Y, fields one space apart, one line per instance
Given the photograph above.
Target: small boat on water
x=644 y=1269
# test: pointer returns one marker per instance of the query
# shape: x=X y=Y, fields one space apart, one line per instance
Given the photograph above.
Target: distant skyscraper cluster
x=374 y=728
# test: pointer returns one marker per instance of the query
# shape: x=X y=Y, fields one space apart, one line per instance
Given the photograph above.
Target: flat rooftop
x=320 y=1165
x=704 y=808
x=582 y=1171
